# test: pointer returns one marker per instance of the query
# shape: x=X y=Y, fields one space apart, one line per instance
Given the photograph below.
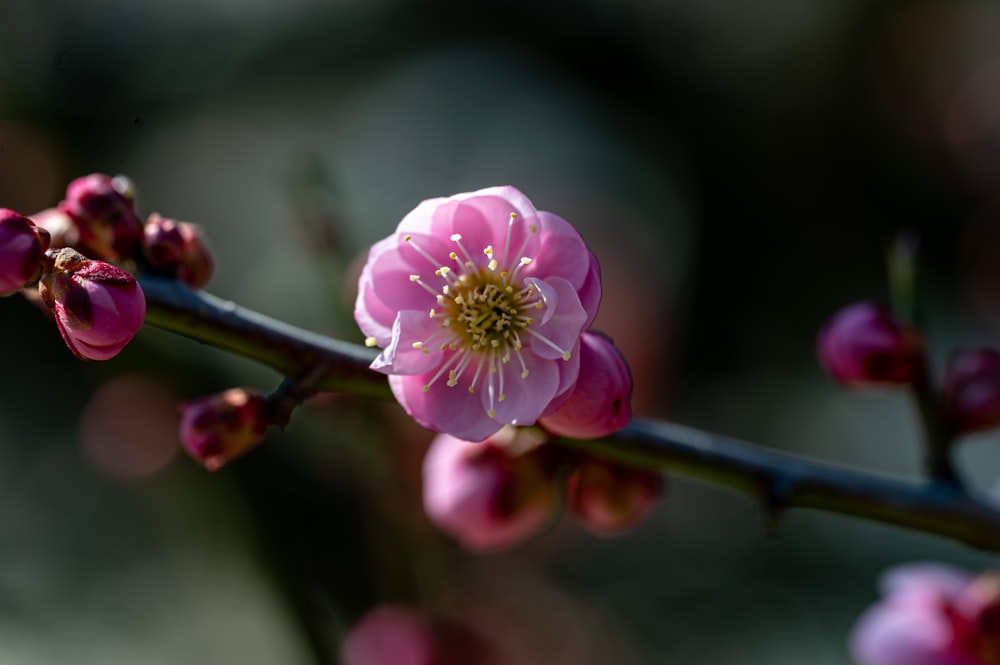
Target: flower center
x=484 y=315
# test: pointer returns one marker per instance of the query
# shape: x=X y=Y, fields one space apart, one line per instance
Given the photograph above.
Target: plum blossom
x=22 y=244
x=864 y=345
x=478 y=302
x=97 y=307
x=493 y=494
x=931 y=615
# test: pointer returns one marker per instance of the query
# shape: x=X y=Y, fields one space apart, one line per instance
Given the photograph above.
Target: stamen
x=370 y=342
x=549 y=342
x=420 y=250
x=416 y=279
x=506 y=242
x=475 y=377
x=444 y=368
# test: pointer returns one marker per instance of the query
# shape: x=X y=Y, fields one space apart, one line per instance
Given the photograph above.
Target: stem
x=779 y=480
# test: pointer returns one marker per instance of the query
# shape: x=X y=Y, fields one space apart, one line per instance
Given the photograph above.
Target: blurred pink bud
x=599 y=402
x=389 y=635
x=22 y=245
x=62 y=231
x=611 y=498
x=104 y=212
x=178 y=248
x=972 y=390
x=864 y=345
x=217 y=429
x=98 y=307
x=931 y=615
x=485 y=494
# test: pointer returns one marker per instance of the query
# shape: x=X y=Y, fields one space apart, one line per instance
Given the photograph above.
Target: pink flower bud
x=179 y=249
x=611 y=498
x=62 y=231
x=389 y=635
x=599 y=402
x=972 y=390
x=484 y=494
x=219 y=428
x=98 y=307
x=931 y=615
x=104 y=215
x=21 y=247
x=864 y=345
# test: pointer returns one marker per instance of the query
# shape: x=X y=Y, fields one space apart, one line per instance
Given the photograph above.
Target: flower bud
x=98 y=307
x=218 y=428
x=179 y=249
x=62 y=231
x=389 y=635
x=599 y=402
x=22 y=245
x=484 y=494
x=104 y=216
x=972 y=390
x=611 y=498
x=864 y=345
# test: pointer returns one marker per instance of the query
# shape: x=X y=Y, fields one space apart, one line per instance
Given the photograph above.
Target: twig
x=779 y=480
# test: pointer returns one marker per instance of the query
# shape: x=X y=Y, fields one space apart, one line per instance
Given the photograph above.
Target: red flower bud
x=487 y=495
x=219 y=428
x=599 y=403
x=98 y=307
x=611 y=498
x=864 y=345
x=60 y=227
x=104 y=216
x=22 y=245
x=178 y=248
x=972 y=390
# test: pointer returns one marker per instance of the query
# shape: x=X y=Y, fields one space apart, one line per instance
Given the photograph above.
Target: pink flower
x=98 y=307
x=488 y=495
x=179 y=249
x=103 y=210
x=864 y=345
x=931 y=615
x=972 y=390
x=389 y=635
x=610 y=498
x=21 y=247
x=599 y=402
x=478 y=301
x=217 y=429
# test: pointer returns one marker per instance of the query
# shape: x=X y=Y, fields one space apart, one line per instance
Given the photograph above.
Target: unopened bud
x=179 y=249
x=60 y=227
x=217 y=429
x=610 y=498
x=864 y=345
x=98 y=307
x=599 y=403
x=972 y=390
x=104 y=216
x=22 y=245
x=485 y=496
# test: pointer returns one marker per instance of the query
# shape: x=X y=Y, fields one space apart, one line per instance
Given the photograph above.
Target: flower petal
x=443 y=408
x=526 y=398
x=400 y=356
x=562 y=322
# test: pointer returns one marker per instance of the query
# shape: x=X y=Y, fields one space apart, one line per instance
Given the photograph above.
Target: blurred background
x=738 y=168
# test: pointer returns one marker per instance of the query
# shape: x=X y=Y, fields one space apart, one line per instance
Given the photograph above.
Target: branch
x=779 y=479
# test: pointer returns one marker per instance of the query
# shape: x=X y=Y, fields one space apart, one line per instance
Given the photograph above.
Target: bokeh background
x=738 y=168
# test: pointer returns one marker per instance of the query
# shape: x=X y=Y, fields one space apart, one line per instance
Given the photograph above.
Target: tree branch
x=778 y=479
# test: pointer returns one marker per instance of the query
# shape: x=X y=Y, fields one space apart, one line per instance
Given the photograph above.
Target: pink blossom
x=971 y=393
x=389 y=635
x=103 y=210
x=98 y=307
x=21 y=247
x=599 y=402
x=931 y=615
x=610 y=498
x=217 y=429
x=865 y=345
x=478 y=302
x=488 y=495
